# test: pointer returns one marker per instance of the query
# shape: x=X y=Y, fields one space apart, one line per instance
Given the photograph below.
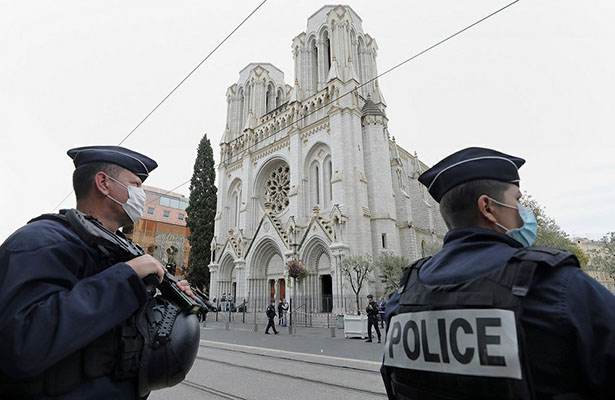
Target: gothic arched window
x=360 y=66
x=314 y=67
x=240 y=111
x=235 y=210
x=315 y=184
x=269 y=98
x=327 y=54
x=326 y=177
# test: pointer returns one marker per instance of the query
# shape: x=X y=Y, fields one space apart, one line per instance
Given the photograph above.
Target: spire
x=226 y=136
x=334 y=73
x=352 y=72
x=295 y=94
x=370 y=108
x=378 y=98
x=249 y=122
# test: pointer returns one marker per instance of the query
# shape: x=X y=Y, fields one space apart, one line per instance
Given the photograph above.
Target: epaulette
x=545 y=255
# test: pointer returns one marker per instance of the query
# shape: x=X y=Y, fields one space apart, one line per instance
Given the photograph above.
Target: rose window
x=277 y=187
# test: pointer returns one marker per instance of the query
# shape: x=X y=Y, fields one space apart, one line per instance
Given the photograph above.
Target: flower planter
x=355 y=326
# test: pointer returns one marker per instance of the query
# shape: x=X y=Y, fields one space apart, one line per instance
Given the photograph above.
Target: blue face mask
x=526 y=235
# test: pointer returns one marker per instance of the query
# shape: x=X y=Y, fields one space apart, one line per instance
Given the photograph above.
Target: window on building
x=150 y=210
x=166 y=214
x=180 y=216
x=327 y=174
x=183 y=204
x=384 y=240
x=165 y=201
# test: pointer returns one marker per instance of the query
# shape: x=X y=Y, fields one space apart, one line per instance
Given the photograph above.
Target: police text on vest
x=480 y=342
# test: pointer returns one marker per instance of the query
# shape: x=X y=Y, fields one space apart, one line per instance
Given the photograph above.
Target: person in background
x=372 y=318
x=271 y=315
x=381 y=310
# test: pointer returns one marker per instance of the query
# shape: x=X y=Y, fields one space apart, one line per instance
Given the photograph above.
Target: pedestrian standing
x=285 y=308
x=372 y=318
x=280 y=311
x=381 y=309
x=271 y=315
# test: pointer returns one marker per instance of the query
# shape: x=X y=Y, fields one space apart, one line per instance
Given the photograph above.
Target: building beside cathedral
x=310 y=170
x=162 y=232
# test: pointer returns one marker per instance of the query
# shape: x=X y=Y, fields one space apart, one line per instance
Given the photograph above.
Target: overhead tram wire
x=191 y=72
x=371 y=80
x=177 y=87
x=378 y=76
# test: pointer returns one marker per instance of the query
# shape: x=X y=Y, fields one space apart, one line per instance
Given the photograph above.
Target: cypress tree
x=201 y=213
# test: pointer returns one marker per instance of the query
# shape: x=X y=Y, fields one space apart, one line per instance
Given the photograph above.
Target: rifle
x=119 y=249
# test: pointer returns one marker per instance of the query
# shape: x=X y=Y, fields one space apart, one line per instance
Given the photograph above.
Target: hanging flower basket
x=295 y=269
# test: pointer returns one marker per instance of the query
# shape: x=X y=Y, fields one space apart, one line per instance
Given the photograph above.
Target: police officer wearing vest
x=490 y=316
x=60 y=299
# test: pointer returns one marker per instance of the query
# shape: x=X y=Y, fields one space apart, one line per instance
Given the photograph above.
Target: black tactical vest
x=156 y=346
x=465 y=341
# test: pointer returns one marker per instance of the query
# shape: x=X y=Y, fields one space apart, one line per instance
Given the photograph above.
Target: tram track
x=375 y=369
x=211 y=391
x=278 y=373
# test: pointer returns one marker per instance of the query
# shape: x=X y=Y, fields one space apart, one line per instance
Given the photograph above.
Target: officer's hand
x=184 y=286
x=146 y=265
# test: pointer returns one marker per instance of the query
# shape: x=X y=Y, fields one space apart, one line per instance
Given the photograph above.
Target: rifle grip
x=151 y=283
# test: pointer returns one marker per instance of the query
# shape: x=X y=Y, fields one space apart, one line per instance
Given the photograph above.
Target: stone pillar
x=240 y=278
x=213 y=280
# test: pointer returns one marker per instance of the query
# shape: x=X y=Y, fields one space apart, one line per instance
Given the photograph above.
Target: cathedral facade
x=310 y=171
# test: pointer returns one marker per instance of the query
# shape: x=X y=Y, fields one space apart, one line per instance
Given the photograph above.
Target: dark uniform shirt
x=568 y=317
x=57 y=296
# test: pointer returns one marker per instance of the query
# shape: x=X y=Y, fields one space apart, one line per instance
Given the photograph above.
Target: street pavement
x=239 y=363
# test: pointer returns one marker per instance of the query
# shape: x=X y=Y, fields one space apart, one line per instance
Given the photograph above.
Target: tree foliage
x=391 y=268
x=604 y=259
x=549 y=233
x=356 y=270
x=201 y=213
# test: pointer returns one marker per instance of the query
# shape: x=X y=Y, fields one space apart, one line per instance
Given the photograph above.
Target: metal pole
x=327 y=310
x=295 y=309
x=254 y=312
x=243 y=318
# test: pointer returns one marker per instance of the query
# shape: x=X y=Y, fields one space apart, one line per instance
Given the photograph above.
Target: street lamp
x=294 y=244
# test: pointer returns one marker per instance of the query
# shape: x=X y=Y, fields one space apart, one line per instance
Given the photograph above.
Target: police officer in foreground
x=61 y=300
x=490 y=316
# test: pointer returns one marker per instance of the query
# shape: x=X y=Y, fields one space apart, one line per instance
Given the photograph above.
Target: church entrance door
x=327 y=293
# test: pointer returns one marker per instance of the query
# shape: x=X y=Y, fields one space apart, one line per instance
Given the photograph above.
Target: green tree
x=391 y=268
x=201 y=213
x=604 y=258
x=356 y=269
x=549 y=233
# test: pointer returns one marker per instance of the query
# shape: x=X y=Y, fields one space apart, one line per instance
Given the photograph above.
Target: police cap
x=468 y=165
x=136 y=163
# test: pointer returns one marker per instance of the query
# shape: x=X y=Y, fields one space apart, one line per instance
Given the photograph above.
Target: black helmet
x=172 y=339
